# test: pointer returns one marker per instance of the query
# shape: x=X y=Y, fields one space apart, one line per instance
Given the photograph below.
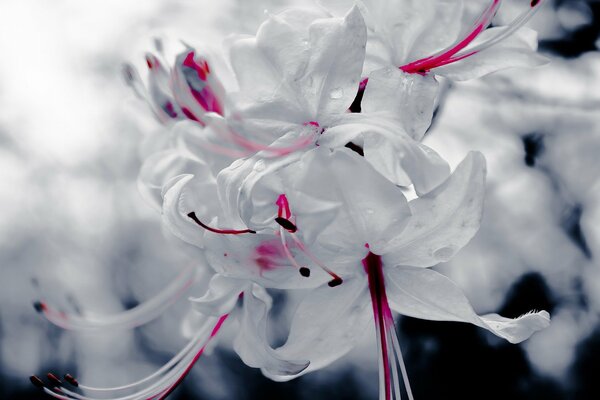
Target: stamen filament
x=192 y=215
x=137 y=316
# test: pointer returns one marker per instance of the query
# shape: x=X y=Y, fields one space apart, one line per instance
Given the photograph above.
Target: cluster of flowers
x=290 y=172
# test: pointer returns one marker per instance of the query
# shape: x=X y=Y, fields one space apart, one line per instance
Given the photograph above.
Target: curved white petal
x=184 y=194
x=159 y=168
x=327 y=324
x=443 y=220
x=393 y=153
x=221 y=296
x=251 y=343
x=518 y=50
x=409 y=98
x=334 y=68
x=427 y=294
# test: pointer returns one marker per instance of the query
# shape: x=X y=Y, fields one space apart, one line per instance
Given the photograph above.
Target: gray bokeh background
x=75 y=230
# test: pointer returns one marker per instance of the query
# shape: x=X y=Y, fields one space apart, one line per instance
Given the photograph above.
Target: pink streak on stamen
x=374 y=268
x=214 y=332
x=286 y=249
x=430 y=62
x=240 y=140
x=201 y=69
x=193 y=216
x=284 y=210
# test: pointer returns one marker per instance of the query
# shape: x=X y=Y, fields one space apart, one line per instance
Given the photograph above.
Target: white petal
x=392 y=152
x=334 y=70
x=159 y=168
x=182 y=195
x=518 y=50
x=443 y=220
x=221 y=296
x=328 y=323
x=409 y=98
x=376 y=209
x=251 y=342
x=427 y=294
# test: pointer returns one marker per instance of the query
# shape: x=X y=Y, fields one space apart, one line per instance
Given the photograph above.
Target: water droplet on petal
x=236 y=164
x=336 y=93
x=444 y=253
x=369 y=211
x=259 y=166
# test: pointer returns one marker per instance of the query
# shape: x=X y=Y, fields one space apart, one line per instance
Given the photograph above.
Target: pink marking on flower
x=194 y=218
x=284 y=207
x=201 y=68
x=207 y=100
x=374 y=268
x=444 y=57
x=363 y=84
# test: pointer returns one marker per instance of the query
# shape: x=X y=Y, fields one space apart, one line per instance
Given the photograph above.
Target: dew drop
x=336 y=93
x=236 y=164
x=444 y=253
x=259 y=166
x=369 y=211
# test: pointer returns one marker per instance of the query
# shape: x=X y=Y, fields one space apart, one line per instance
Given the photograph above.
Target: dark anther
x=69 y=378
x=355 y=148
x=38 y=306
x=37 y=382
x=335 y=282
x=286 y=224
x=53 y=379
x=534 y=3
x=305 y=272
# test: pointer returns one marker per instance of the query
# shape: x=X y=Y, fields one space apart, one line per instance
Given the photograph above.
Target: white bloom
x=419 y=36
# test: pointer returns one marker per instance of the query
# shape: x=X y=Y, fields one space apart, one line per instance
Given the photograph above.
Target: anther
x=305 y=272
x=39 y=306
x=36 y=381
x=286 y=224
x=335 y=282
x=192 y=215
x=53 y=379
x=71 y=379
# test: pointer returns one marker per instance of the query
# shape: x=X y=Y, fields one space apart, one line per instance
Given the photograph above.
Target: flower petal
x=393 y=153
x=327 y=324
x=409 y=98
x=182 y=195
x=518 y=50
x=251 y=342
x=427 y=294
x=221 y=296
x=443 y=220
x=334 y=68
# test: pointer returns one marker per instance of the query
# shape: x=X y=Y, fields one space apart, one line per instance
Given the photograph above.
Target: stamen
x=284 y=214
x=69 y=378
x=284 y=207
x=192 y=215
x=286 y=224
x=305 y=272
x=387 y=336
x=52 y=378
x=426 y=64
x=140 y=315
x=171 y=375
x=36 y=381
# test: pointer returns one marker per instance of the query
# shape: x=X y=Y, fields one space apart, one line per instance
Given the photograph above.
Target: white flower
x=422 y=36
x=369 y=250
x=299 y=77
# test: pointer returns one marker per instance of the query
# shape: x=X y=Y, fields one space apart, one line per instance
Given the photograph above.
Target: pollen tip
x=71 y=379
x=36 y=381
x=39 y=306
x=53 y=378
x=286 y=224
x=534 y=3
x=305 y=272
x=337 y=281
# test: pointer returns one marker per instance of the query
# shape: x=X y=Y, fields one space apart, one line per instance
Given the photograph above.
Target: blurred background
x=75 y=231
